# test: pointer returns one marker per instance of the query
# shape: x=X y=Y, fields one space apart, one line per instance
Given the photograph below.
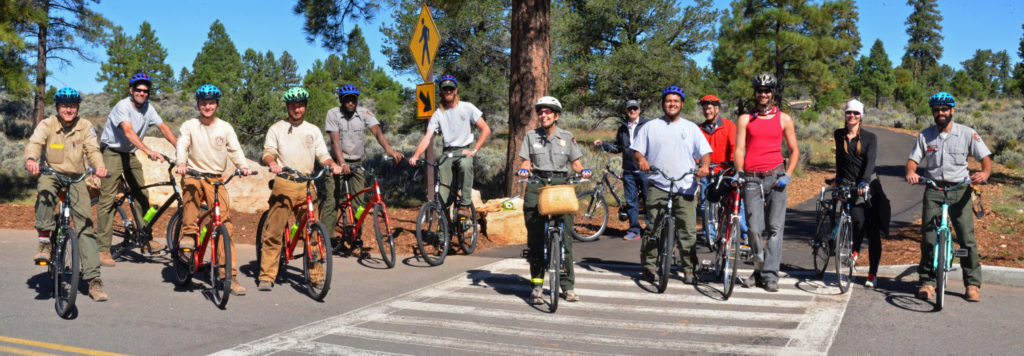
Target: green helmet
x=296 y=94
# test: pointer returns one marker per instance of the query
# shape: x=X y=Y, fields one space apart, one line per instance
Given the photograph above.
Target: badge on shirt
x=976 y=137
x=561 y=142
x=219 y=143
x=309 y=140
x=538 y=145
x=57 y=146
x=932 y=148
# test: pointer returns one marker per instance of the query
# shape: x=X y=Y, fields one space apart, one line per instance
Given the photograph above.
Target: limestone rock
x=504 y=227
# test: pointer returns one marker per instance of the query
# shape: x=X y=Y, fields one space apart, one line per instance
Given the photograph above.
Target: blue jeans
x=704 y=219
x=635 y=186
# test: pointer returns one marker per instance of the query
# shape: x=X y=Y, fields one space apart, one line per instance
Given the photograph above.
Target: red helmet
x=710 y=99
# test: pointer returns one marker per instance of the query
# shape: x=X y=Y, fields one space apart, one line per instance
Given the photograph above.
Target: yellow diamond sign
x=424 y=43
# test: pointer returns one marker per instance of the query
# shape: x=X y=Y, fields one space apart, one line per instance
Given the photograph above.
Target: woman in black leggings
x=855 y=162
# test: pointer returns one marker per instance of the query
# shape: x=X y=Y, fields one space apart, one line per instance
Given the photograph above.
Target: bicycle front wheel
x=942 y=252
x=432 y=235
x=554 y=267
x=385 y=239
x=820 y=249
x=182 y=260
x=590 y=222
x=66 y=271
x=220 y=268
x=844 y=255
x=317 y=262
x=730 y=261
x=665 y=252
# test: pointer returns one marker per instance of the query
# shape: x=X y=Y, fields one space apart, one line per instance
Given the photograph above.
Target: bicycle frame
x=375 y=197
x=943 y=226
x=605 y=182
x=290 y=242
x=201 y=242
x=140 y=225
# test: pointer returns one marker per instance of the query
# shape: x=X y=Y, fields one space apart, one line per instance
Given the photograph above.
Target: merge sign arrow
x=425 y=100
x=424 y=42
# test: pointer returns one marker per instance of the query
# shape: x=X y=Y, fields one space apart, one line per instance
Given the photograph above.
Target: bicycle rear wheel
x=554 y=267
x=844 y=252
x=731 y=262
x=182 y=260
x=942 y=252
x=66 y=271
x=220 y=269
x=665 y=245
x=820 y=249
x=121 y=234
x=432 y=235
x=710 y=223
x=317 y=260
x=590 y=222
x=466 y=228
x=385 y=238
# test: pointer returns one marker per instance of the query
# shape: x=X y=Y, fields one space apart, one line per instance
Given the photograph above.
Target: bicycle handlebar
x=206 y=176
x=573 y=179
x=44 y=169
x=295 y=176
x=927 y=181
x=440 y=160
x=670 y=179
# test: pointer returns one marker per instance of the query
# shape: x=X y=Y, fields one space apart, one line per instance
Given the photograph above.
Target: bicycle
x=554 y=240
x=138 y=231
x=711 y=211
x=316 y=249
x=187 y=262
x=728 y=247
x=64 y=266
x=839 y=244
x=351 y=233
x=592 y=218
x=434 y=223
x=664 y=234
x=943 y=242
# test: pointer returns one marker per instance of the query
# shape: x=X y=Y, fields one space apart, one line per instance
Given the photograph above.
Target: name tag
x=57 y=146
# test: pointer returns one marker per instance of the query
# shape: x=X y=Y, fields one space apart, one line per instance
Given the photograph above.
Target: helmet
x=710 y=99
x=296 y=94
x=854 y=105
x=942 y=98
x=673 y=90
x=67 y=95
x=548 y=102
x=449 y=78
x=764 y=79
x=141 y=77
x=208 y=91
x=348 y=89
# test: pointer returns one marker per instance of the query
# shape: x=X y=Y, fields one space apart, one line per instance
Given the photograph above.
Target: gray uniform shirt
x=673 y=148
x=140 y=119
x=455 y=124
x=944 y=155
x=351 y=131
x=551 y=155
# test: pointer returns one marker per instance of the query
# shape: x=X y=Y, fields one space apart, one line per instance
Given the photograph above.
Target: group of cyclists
x=671 y=145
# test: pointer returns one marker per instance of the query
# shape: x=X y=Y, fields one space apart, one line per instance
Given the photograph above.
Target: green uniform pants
x=333 y=192
x=684 y=211
x=960 y=216
x=118 y=163
x=465 y=171
x=81 y=215
x=536 y=239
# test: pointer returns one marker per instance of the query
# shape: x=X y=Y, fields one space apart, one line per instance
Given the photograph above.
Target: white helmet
x=855 y=105
x=548 y=102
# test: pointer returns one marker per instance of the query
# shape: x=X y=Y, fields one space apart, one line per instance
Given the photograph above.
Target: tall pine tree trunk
x=529 y=77
x=40 y=97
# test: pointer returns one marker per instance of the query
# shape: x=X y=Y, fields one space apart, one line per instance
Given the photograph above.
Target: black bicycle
x=664 y=234
x=435 y=224
x=554 y=245
x=65 y=266
x=592 y=218
x=137 y=232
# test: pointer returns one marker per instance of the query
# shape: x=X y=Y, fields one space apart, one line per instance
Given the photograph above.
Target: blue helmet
x=449 y=78
x=208 y=91
x=942 y=98
x=67 y=95
x=673 y=90
x=141 y=77
x=348 y=89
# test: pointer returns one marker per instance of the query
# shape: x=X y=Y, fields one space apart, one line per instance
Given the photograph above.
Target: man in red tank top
x=759 y=136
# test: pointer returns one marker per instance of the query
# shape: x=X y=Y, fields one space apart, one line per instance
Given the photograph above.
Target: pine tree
x=924 y=48
x=1017 y=84
x=127 y=55
x=326 y=19
x=13 y=67
x=874 y=77
x=217 y=63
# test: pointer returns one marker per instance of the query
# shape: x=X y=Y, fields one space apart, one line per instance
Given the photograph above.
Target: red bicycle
x=316 y=249
x=351 y=233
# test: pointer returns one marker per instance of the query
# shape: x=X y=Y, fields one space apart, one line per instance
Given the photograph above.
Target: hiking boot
x=96 y=290
x=870 y=283
x=973 y=294
x=43 y=257
x=688 y=277
x=772 y=286
x=265 y=286
x=106 y=260
x=187 y=243
x=631 y=236
x=236 y=288
x=926 y=292
x=537 y=296
x=648 y=275
x=571 y=296
x=155 y=247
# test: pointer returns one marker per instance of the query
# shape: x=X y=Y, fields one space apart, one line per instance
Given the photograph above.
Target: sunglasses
x=763 y=90
x=632 y=109
x=448 y=89
x=141 y=90
x=853 y=113
x=545 y=111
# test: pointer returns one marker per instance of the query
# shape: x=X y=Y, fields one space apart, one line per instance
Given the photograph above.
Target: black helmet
x=765 y=79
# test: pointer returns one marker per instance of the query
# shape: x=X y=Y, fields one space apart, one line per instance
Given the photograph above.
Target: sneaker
x=870 y=283
x=772 y=286
x=155 y=247
x=106 y=260
x=265 y=286
x=187 y=243
x=688 y=277
x=571 y=296
x=926 y=292
x=648 y=275
x=537 y=296
x=973 y=294
x=631 y=236
x=758 y=281
x=96 y=290
x=236 y=288
x=43 y=256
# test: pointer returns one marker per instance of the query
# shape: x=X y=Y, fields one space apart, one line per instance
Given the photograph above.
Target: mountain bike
x=64 y=265
x=943 y=253
x=592 y=219
x=351 y=226
x=137 y=232
x=840 y=239
x=188 y=262
x=664 y=233
x=728 y=248
x=823 y=244
x=554 y=245
x=316 y=248
x=435 y=224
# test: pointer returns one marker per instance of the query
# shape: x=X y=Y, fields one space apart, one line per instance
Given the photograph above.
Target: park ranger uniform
x=550 y=158
x=456 y=127
x=352 y=136
x=944 y=158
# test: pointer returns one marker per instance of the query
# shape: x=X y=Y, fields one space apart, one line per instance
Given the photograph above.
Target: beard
x=942 y=123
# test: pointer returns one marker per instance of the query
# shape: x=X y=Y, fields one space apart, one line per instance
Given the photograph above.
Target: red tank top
x=764 y=141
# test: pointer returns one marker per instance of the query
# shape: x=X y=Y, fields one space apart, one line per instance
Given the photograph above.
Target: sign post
x=423 y=46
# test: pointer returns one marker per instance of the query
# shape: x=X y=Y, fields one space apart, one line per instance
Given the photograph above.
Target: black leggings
x=871 y=220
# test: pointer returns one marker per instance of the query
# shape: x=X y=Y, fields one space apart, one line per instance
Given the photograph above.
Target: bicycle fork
x=948 y=258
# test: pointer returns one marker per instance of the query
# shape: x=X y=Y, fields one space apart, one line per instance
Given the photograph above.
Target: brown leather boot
x=926 y=292
x=973 y=294
x=106 y=260
x=96 y=290
x=43 y=255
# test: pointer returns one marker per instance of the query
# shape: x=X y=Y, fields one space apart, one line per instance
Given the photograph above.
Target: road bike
x=64 y=265
x=554 y=245
x=664 y=234
x=316 y=248
x=728 y=247
x=592 y=219
x=943 y=253
x=834 y=235
x=351 y=226
x=137 y=232
x=188 y=261
x=435 y=224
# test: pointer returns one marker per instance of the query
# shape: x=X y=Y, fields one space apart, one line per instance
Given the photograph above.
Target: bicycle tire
x=121 y=234
x=942 y=256
x=350 y=239
x=220 y=287
x=432 y=235
x=665 y=253
x=554 y=268
x=844 y=251
x=467 y=229
x=732 y=261
x=710 y=223
x=820 y=249
x=592 y=219
x=183 y=261
x=66 y=271
x=317 y=254
x=385 y=238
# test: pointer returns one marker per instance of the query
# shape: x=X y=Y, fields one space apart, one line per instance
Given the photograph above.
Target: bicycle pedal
x=745 y=248
x=525 y=253
x=961 y=252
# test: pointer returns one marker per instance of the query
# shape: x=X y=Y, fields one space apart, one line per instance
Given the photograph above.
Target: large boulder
x=504 y=227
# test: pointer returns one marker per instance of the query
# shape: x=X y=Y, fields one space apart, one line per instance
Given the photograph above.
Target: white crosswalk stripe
x=485 y=312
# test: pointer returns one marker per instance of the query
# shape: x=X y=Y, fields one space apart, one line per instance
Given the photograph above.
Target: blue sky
x=181 y=27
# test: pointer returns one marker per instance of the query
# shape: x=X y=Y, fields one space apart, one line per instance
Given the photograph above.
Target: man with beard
x=944 y=149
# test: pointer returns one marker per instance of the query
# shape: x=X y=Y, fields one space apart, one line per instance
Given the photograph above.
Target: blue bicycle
x=943 y=253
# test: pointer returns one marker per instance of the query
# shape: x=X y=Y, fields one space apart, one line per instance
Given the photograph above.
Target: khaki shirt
x=207 y=148
x=351 y=131
x=298 y=147
x=554 y=155
x=65 y=150
x=944 y=155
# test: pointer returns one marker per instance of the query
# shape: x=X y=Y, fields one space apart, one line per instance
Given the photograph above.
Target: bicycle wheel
x=432 y=234
x=350 y=239
x=820 y=249
x=220 y=282
x=592 y=219
x=466 y=229
x=554 y=267
x=317 y=258
x=66 y=271
x=942 y=252
x=732 y=262
x=710 y=223
x=844 y=251
x=665 y=252
x=183 y=261
x=385 y=238
x=121 y=234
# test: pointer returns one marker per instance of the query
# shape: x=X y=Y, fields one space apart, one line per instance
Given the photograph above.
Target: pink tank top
x=764 y=141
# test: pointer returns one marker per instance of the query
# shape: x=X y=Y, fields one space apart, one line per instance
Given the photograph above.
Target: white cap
x=855 y=105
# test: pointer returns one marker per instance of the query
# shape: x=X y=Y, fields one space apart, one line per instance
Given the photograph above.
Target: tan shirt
x=208 y=147
x=65 y=150
x=298 y=147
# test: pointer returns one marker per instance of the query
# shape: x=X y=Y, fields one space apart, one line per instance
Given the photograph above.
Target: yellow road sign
x=425 y=100
x=424 y=42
